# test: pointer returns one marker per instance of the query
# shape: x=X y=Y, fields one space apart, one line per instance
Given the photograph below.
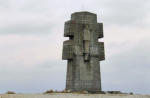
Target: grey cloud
x=129 y=70
x=50 y=64
x=126 y=12
x=28 y=28
x=26 y=17
x=33 y=81
x=4 y=3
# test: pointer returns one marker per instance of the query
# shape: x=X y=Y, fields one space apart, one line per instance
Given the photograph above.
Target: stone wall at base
x=69 y=95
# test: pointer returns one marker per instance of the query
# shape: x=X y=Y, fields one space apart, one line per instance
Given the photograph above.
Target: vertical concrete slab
x=83 y=52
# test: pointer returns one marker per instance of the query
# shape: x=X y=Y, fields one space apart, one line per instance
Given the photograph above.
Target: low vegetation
x=49 y=91
x=10 y=92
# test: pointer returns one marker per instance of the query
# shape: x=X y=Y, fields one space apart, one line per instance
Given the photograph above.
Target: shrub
x=10 y=92
x=49 y=91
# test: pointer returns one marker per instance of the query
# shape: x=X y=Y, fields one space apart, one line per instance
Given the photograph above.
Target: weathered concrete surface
x=65 y=95
x=83 y=52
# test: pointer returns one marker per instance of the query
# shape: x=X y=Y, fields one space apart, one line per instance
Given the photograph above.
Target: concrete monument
x=83 y=52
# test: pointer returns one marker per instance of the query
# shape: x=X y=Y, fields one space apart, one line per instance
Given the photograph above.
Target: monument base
x=72 y=95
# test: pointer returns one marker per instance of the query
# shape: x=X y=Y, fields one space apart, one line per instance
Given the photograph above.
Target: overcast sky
x=31 y=37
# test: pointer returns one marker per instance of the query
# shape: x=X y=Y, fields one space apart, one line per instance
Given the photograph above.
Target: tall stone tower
x=83 y=52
